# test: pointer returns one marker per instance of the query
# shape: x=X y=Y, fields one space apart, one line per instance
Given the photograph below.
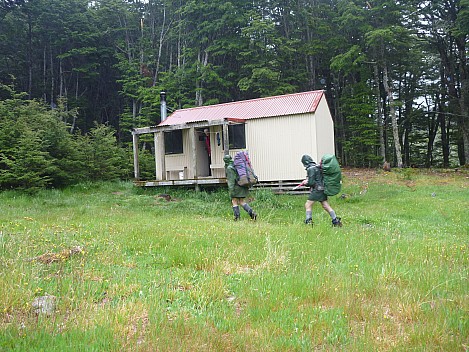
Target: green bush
x=38 y=151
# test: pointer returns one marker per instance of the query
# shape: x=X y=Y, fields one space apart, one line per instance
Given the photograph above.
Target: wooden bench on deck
x=218 y=170
x=176 y=173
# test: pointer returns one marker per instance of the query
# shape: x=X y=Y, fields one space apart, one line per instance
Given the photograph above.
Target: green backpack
x=332 y=175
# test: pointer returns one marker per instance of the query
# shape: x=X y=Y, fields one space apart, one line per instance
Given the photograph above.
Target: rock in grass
x=44 y=305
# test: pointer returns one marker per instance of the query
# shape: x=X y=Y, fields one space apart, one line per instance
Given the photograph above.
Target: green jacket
x=313 y=173
x=235 y=190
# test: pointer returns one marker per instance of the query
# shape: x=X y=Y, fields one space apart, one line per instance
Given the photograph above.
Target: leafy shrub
x=26 y=139
x=37 y=150
x=100 y=155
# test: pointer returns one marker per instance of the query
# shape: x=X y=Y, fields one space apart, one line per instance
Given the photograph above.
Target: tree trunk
x=379 y=107
x=464 y=118
x=160 y=47
x=72 y=126
x=201 y=64
x=339 y=122
x=392 y=113
x=461 y=43
x=61 y=79
x=442 y=121
x=464 y=101
x=408 y=88
x=198 y=83
x=30 y=57
x=44 y=75
x=432 y=130
x=52 y=79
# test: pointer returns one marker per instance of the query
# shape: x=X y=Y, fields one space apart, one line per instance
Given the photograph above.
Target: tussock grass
x=180 y=275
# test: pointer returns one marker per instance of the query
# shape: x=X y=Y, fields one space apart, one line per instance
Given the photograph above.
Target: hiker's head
x=307 y=160
x=227 y=159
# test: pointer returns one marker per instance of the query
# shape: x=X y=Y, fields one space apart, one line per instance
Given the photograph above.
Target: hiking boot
x=308 y=221
x=336 y=222
x=253 y=215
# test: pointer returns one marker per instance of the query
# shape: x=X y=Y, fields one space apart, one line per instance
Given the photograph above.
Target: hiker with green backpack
x=324 y=179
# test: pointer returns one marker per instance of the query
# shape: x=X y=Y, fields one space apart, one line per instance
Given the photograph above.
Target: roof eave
x=185 y=125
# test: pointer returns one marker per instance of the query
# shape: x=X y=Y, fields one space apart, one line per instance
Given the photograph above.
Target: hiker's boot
x=249 y=210
x=236 y=213
x=336 y=222
x=308 y=221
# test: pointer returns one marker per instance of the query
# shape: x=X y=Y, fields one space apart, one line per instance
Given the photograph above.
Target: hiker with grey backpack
x=238 y=190
x=324 y=179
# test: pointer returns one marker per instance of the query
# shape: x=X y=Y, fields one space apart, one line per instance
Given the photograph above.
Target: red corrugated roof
x=289 y=104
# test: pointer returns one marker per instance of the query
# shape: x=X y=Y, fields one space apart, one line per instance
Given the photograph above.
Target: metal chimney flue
x=163 y=106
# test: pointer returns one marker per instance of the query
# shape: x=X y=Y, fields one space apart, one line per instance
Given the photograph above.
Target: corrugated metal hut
x=276 y=131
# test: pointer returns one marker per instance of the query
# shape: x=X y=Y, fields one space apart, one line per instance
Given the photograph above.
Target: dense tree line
x=395 y=72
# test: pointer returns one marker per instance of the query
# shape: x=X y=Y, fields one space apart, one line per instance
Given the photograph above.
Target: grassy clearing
x=182 y=276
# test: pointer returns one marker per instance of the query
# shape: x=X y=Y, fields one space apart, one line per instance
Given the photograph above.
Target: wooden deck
x=282 y=187
x=183 y=183
x=278 y=187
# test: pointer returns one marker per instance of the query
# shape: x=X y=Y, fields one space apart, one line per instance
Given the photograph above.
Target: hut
x=276 y=131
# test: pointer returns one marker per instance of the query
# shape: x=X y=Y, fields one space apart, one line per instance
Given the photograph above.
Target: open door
x=203 y=159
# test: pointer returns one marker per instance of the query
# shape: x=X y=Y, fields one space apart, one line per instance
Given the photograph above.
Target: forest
x=395 y=73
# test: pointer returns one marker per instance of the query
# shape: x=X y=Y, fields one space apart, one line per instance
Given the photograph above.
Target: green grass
x=182 y=276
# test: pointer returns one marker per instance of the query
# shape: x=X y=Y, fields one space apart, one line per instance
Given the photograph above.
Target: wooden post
x=135 y=151
x=226 y=142
x=160 y=166
x=193 y=170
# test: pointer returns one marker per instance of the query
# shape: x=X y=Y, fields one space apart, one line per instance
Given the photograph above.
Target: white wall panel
x=324 y=130
x=277 y=144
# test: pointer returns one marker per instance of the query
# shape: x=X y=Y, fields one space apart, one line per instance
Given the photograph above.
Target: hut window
x=237 y=135
x=173 y=142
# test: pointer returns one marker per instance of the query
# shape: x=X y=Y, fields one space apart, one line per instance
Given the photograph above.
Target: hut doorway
x=203 y=150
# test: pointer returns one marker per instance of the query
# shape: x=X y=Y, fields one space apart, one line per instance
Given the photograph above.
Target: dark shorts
x=317 y=196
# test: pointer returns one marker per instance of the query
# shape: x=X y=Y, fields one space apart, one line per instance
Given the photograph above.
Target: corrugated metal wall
x=276 y=145
x=324 y=130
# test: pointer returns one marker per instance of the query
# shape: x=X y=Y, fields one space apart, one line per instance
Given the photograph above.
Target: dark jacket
x=313 y=173
x=235 y=190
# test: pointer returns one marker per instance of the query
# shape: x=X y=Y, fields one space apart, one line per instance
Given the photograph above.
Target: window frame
x=237 y=136
x=173 y=142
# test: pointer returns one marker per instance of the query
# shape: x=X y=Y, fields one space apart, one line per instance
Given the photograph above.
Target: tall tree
x=442 y=24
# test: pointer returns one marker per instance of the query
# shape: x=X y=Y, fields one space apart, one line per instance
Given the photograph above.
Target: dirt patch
x=406 y=176
x=48 y=258
x=362 y=175
x=410 y=178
